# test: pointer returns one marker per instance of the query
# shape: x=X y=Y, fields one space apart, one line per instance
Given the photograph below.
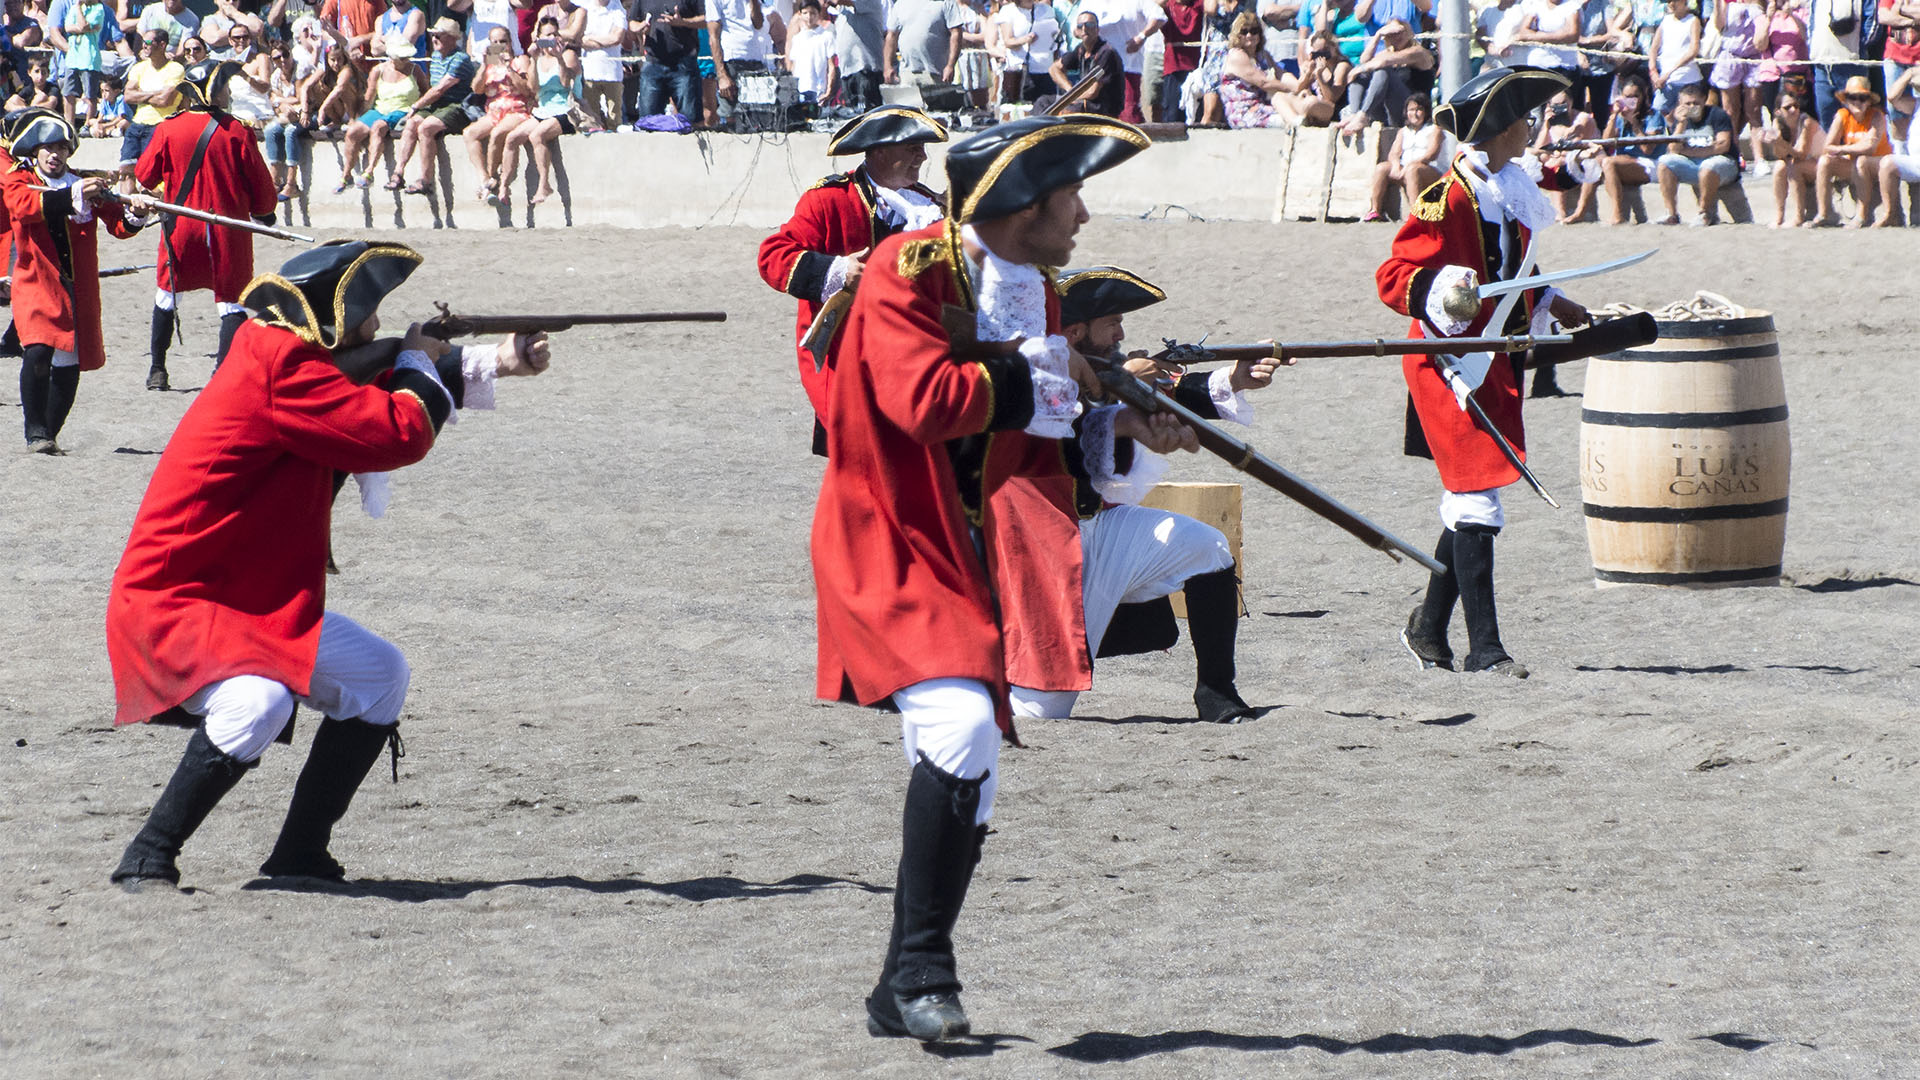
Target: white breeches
x=168 y=301
x=951 y=722
x=357 y=674
x=1130 y=554
x=1459 y=508
x=64 y=358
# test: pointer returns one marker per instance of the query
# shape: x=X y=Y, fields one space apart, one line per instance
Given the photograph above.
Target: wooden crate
x=1217 y=505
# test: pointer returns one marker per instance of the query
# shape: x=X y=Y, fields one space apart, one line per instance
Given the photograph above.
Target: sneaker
x=1507 y=666
x=1430 y=652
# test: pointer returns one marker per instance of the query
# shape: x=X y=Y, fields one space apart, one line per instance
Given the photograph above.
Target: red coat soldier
x=950 y=379
x=216 y=618
x=55 y=216
x=1472 y=226
x=208 y=160
x=821 y=250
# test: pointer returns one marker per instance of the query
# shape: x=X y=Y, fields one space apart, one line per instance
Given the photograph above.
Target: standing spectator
x=283 y=133
x=925 y=35
x=1186 y=24
x=502 y=77
x=737 y=34
x=1834 y=46
x=1029 y=34
x=810 y=55
x=1126 y=25
x=1783 y=44
x=1857 y=136
x=173 y=19
x=671 y=56
x=601 y=77
x=570 y=24
x=226 y=15
x=1385 y=74
x=153 y=89
x=555 y=74
x=1547 y=35
x=1488 y=35
x=18 y=33
x=1630 y=166
x=354 y=23
x=1902 y=166
x=442 y=110
x=1673 y=61
x=1901 y=18
x=482 y=17
x=1736 y=70
x=396 y=83
x=859 y=47
x=399 y=22
x=1702 y=156
x=1798 y=143
x=82 y=36
x=1603 y=29
x=1091 y=56
x=1420 y=150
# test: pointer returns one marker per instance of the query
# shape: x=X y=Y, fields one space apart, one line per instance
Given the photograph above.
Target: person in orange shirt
x=1855 y=142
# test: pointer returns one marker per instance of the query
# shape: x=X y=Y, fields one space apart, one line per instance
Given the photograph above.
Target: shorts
x=80 y=84
x=133 y=143
x=1688 y=170
x=454 y=117
x=393 y=119
x=1906 y=166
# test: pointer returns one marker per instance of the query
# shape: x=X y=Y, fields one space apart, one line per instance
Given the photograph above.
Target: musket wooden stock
x=1073 y=95
x=1242 y=456
x=1624 y=140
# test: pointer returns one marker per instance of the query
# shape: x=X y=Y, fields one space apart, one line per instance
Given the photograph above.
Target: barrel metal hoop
x=1700 y=577
x=1715 y=328
x=1683 y=515
x=1696 y=356
x=1740 y=418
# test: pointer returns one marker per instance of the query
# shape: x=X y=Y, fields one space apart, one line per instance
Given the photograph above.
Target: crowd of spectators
x=1819 y=95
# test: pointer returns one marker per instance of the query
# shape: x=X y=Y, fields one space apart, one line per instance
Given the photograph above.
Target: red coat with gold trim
x=833 y=218
x=1445 y=228
x=233 y=181
x=225 y=571
x=922 y=442
x=56 y=270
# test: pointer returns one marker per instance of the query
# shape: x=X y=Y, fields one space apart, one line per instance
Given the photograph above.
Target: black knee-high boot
x=919 y=989
x=159 y=340
x=343 y=752
x=204 y=776
x=63 y=386
x=36 y=388
x=1426 y=632
x=1213 y=617
x=229 y=325
x=1544 y=384
x=1473 y=562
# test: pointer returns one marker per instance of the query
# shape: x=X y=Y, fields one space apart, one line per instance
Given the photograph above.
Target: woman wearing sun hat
x=1855 y=142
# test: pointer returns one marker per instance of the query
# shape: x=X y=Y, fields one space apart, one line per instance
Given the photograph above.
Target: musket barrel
x=1381 y=347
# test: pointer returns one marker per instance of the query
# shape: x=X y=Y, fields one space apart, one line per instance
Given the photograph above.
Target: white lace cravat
x=1013 y=307
x=1513 y=193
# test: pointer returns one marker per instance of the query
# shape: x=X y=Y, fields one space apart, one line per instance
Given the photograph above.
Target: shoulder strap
x=191 y=174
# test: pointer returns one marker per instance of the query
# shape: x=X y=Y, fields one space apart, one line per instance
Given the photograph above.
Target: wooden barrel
x=1684 y=457
x=1217 y=505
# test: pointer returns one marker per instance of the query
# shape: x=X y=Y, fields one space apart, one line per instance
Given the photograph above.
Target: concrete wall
x=645 y=180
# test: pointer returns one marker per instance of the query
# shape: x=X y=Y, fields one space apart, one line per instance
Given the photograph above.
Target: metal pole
x=1456 y=48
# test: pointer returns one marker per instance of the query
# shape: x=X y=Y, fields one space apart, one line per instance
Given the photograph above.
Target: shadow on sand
x=697 y=890
x=1101 y=1047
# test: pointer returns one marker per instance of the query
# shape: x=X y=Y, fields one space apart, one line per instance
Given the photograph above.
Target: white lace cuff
x=376 y=491
x=1583 y=170
x=479 y=366
x=416 y=360
x=1231 y=404
x=1130 y=487
x=1056 y=397
x=1444 y=279
x=836 y=276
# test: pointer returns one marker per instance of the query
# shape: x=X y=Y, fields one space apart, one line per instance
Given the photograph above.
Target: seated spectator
x=192 y=50
x=810 y=56
x=218 y=27
x=1902 y=166
x=283 y=132
x=1384 y=77
x=111 y=114
x=1857 y=138
x=602 y=76
x=1561 y=123
x=342 y=91
x=503 y=78
x=1200 y=97
x=442 y=110
x=172 y=18
x=10 y=81
x=1702 y=155
x=396 y=83
x=1090 y=57
x=1254 y=92
x=1421 y=150
x=310 y=45
x=38 y=93
x=153 y=93
x=353 y=24
x=1797 y=141
x=400 y=28
x=1673 y=59
x=249 y=93
x=18 y=33
x=670 y=55
x=1783 y=45
x=1629 y=166
x=1325 y=72
x=556 y=74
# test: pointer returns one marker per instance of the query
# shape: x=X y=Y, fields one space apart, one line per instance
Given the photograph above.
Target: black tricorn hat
x=204 y=78
x=1491 y=101
x=1088 y=294
x=887 y=125
x=26 y=130
x=326 y=291
x=1014 y=165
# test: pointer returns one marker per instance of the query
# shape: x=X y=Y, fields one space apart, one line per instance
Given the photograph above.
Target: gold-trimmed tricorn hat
x=1096 y=291
x=205 y=77
x=28 y=130
x=1491 y=101
x=1012 y=166
x=326 y=291
x=888 y=125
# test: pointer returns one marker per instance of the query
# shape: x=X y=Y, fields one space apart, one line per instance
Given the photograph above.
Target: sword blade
x=1499 y=288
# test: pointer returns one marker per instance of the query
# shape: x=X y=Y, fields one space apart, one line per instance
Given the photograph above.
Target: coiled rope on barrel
x=1705 y=306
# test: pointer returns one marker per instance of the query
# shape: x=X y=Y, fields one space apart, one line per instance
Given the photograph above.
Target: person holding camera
x=1701 y=155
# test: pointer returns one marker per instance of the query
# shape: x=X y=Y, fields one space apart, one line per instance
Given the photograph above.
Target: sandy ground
x=627 y=843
